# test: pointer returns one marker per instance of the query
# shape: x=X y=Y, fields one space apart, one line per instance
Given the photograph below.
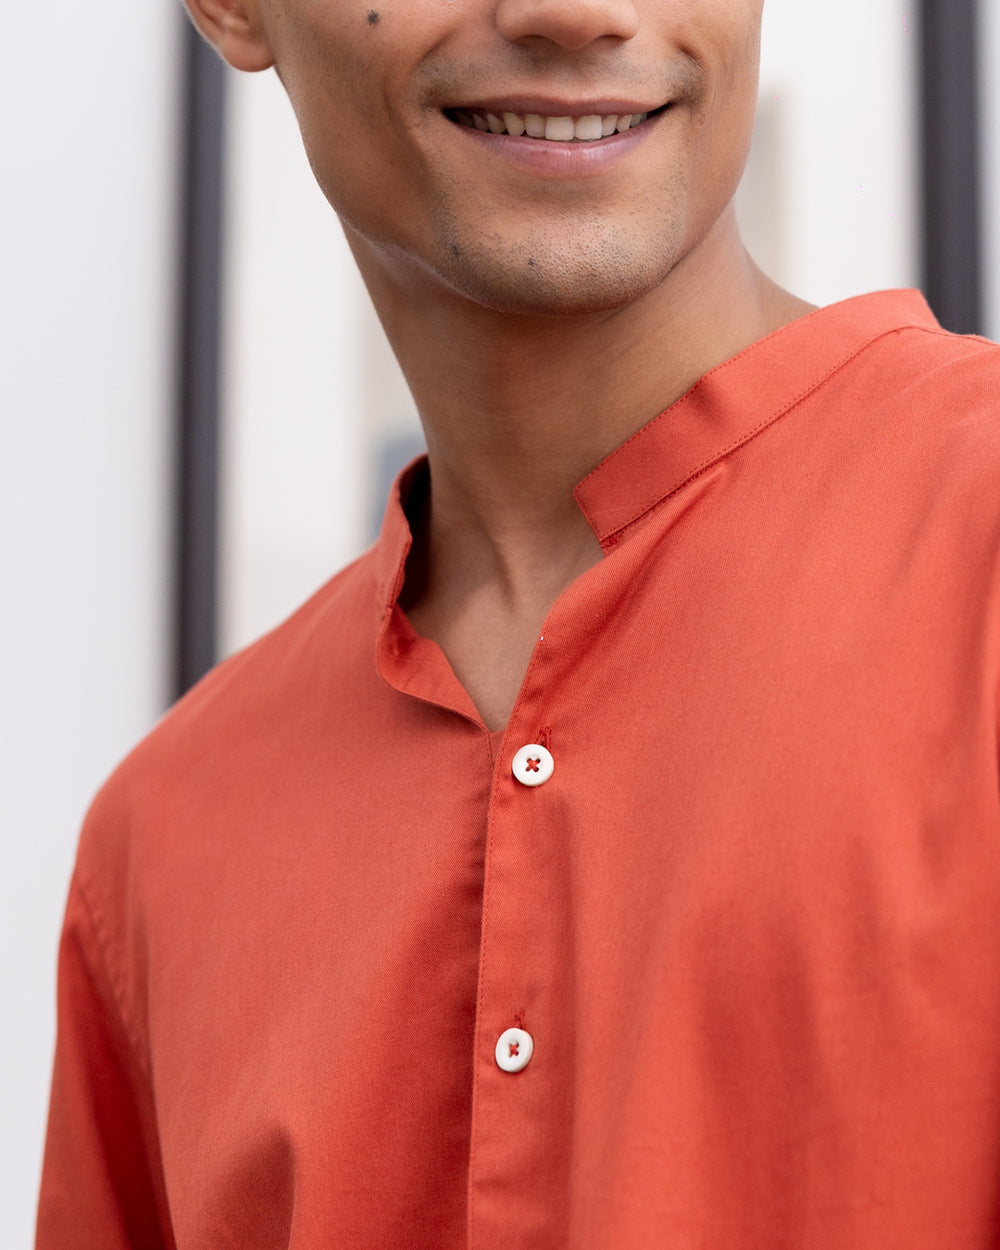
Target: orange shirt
x=747 y=932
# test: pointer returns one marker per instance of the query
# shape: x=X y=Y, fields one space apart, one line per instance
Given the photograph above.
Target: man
x=609 y=858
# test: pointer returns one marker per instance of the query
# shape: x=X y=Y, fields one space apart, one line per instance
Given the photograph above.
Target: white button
x=532 y=765
x=514 y=1050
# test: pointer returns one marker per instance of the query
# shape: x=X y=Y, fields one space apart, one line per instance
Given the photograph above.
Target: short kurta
x=746 y=931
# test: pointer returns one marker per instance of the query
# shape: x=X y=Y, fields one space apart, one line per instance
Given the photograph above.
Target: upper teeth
x=560 y=129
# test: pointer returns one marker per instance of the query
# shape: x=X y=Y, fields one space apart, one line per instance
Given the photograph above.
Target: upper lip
x=548 y=107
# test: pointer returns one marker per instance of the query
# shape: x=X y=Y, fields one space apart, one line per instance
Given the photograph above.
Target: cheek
x=335 y=81
x=725 y=121
x=348 y=68
x=326 y=68
x=734 y=98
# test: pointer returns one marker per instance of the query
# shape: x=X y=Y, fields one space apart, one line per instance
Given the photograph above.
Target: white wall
x=312 y=391
x=839 y=87
x=295 y=314
x=86 y=218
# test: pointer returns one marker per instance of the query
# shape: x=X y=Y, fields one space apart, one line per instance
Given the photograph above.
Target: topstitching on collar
x=723 y=410
x=736 y=401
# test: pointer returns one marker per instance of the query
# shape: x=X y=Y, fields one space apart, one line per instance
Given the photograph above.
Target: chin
x=554 y=281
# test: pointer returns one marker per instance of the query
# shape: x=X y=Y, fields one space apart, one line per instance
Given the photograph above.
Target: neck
x=516 y=409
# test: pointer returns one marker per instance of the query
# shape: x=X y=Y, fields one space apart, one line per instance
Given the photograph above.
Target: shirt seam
x=114 y=982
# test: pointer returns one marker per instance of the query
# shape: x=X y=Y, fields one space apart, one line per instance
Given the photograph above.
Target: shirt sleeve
x=102 y=1182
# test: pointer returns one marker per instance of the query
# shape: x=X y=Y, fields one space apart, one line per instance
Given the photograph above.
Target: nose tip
x=571 y=24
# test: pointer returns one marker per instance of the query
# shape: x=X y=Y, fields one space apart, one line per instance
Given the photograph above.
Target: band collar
x=726 y=408
x=734 y=402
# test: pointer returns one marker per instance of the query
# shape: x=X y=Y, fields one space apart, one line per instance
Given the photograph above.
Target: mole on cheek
x=373 y=17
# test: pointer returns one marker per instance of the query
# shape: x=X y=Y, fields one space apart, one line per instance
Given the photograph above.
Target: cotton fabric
x=751 y=922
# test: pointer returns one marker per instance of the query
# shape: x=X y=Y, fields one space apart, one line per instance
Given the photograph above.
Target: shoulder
x=317 y=640
x=258 y=704
x=949 y=377
x=925 y=403
x=949 y=387
x=932 y=347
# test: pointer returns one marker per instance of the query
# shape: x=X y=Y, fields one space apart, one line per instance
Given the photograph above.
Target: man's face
x=398 y=101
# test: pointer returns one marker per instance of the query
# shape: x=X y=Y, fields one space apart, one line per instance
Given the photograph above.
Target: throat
x=489 y=652
x=487 y=636
x=491 y=675
x=481 y=579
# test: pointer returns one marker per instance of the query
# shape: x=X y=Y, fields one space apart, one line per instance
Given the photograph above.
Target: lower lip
x=562 y=160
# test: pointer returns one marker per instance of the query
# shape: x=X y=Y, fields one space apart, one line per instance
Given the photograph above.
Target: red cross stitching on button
x=532 y=765
x=514 y=1049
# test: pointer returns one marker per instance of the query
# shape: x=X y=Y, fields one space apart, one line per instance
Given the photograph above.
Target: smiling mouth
x=587 y=129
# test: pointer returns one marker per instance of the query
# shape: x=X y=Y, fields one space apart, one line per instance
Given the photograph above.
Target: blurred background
x=199 y=414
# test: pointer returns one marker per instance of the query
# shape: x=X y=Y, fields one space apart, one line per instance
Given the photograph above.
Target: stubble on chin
x=565 y=269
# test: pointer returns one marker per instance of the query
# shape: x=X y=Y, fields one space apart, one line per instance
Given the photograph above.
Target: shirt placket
x=530 y=1044
x=522 y=1053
